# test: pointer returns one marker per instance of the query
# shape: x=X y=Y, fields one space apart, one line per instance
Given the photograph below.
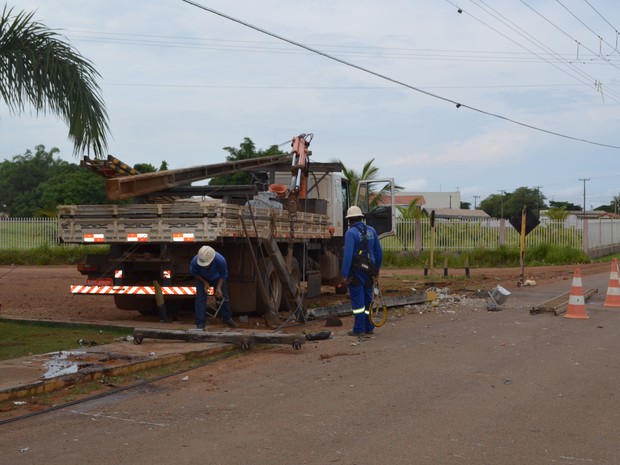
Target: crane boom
x=141 y=184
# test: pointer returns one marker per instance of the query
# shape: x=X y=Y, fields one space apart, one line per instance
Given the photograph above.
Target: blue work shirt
x=216 y=270
x=353 y=245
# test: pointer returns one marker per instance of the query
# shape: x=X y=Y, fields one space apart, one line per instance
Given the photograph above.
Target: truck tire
x=296 y=275
x=273 y=286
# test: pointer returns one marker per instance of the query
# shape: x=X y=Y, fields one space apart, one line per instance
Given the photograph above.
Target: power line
x=595 y=83
x=588 y=27
x=277 y=87
x=387 y=78
x=604 y=19
x=564 y=32
x=147 y=40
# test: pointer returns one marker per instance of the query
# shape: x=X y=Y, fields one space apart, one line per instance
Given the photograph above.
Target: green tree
x=524 y=196
x=247 y=150
x=555 y=213
x=508 y=204
x=144 y=168
x=571 y=207
x=493 y=205
x=38 y=67
x=35 y=183
x=405 y=229
x=75 y=186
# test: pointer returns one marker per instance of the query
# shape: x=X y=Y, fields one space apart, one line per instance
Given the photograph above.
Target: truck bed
x=204 y=221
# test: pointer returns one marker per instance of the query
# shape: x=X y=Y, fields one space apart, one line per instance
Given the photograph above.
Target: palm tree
x=558 y=214
x=39 y=68
x=368 y=173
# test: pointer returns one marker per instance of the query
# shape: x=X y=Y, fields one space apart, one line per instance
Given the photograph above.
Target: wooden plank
x=242 y=338
x=417 y=297
x=559 y=304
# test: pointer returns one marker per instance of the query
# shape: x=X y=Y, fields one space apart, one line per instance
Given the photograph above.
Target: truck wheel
x=296 y=276
x=274 y=289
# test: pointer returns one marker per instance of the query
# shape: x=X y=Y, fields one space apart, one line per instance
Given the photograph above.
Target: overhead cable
x=387 y=78
x=589 y=80
x=600 y=37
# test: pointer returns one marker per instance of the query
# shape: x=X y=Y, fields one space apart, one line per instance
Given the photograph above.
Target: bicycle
x=377 y=309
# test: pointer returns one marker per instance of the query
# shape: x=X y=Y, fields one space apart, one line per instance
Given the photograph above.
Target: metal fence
x=26 y=233
x=595 y=237
x=469 y=234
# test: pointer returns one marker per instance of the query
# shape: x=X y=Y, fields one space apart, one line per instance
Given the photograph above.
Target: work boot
x=230 y=323
x=353 y=333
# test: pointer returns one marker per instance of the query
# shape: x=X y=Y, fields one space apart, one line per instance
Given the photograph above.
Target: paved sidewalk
x=35 y=374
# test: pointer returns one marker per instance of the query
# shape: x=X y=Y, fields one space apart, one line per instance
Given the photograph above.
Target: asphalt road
x=459 y=386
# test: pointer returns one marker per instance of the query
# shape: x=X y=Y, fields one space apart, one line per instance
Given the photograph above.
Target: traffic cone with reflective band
x=576 y=300
x=612 y=299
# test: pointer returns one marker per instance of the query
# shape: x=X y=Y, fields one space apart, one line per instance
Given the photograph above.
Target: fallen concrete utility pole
x=559 y=304
x=245 y=339
x=345 y=309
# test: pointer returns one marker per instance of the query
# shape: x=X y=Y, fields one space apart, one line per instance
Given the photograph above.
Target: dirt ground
x=457 y=385
x=43 y=292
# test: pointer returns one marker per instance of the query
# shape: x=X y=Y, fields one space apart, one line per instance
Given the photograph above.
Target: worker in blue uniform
x=362 y=260
x=209 y=268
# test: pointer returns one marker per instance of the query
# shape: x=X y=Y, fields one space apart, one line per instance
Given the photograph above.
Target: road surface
x=458 y=385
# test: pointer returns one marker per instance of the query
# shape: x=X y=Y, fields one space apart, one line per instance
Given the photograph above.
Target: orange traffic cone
x=612 y=299
x=576 y=300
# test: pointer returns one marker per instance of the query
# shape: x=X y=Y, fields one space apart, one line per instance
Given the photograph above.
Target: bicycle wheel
x=377 y=310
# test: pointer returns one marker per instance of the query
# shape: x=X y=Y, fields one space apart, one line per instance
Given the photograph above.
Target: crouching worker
x=210 y=270
x=361 y=262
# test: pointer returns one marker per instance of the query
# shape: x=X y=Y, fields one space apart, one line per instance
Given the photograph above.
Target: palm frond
x=40 y=68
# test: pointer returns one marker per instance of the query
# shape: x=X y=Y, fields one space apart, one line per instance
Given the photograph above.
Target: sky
x=473 y=96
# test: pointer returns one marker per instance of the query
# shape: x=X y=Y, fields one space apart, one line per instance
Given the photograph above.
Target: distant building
x=432 y=200
x=456 y=213
x=574 y=216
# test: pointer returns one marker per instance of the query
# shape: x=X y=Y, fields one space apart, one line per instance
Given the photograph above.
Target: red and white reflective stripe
x=137 y=237
x=118 y=274
x=166 y=274
x=183 y=237
x=134 y=290
x=94 y=238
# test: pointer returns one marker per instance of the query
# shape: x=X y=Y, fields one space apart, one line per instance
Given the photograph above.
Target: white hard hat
x=354 y=212
x=206 y=255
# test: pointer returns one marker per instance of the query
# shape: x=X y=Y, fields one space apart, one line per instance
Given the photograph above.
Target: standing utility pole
x=476 y=197
x=501 y=200
x=584 y=196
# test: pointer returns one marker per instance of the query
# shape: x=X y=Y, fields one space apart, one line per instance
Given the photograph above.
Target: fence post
x=417 y=233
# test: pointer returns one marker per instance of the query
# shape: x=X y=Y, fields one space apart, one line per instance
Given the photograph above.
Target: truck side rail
x=182 y=222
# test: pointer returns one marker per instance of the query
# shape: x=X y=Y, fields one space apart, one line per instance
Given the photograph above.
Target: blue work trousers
x=361 y=297
x=201 y=303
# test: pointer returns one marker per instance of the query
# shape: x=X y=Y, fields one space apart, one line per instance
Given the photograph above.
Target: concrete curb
x=22 y=377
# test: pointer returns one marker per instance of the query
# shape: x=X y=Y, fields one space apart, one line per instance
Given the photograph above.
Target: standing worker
x=361 y=262
x=210 y=270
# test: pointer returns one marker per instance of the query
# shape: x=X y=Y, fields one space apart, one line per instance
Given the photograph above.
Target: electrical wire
x=600 y=37
x=344 y=50
x=584 y=78
x=564 y=32
x=610 y=25
x=387 y=78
